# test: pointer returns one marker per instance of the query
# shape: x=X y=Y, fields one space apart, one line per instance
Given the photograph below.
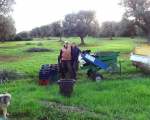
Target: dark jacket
x=75 y=51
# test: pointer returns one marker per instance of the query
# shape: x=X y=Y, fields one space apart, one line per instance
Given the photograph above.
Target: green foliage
x=23 y=36
x=39 y=44
x=139 y=11
x=80 y=24
x=29 y=43
x=6 y=6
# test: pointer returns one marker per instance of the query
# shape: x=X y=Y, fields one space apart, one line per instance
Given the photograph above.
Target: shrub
x=6 y=75
x=49 y=39
x=52 y=38
x=23 y=36
x=29 y=43
x=39 y=44
x=39 y=50
x=19 y=38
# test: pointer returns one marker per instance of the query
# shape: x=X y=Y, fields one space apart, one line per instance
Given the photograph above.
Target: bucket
x=66 y=87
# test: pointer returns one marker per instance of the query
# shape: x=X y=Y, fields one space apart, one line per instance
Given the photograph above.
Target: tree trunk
x=2 y=39
x=82 y=41
x=148 y=37
x=111 y=38
x=60 y=38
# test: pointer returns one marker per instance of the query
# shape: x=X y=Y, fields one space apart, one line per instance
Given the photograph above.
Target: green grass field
x=125 y=97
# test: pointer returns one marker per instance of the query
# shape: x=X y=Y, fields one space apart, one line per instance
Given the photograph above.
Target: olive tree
x=57 y=29
x=6 y=6
x=139 y=12
x=126 y=28
x=79 y=24
x=7 y=28
x=108 y=29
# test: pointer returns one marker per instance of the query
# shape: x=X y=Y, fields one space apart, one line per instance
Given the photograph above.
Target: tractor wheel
x=89 y=72
x=98 y=77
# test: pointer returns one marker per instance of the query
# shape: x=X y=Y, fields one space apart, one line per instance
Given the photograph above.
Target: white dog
x=4 y=103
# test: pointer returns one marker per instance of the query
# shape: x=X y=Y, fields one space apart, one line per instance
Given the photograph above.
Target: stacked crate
x=48 y=73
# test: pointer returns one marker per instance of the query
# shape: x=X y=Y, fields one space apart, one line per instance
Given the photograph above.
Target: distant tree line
x=124 y=28
x=80 y=24
x=134 y=22
x=84 y=24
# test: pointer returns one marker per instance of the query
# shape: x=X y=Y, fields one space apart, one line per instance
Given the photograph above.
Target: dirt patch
x=66 y=109
x=8 y=58
x=11 y=47
x=39 y=50
x=63 y=108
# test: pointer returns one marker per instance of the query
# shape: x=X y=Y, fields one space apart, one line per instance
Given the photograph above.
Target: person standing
x=75 y=51
x=65 y=61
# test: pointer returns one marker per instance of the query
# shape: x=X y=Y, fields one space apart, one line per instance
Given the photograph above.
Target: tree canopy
x=6 y=6
x=139 y=12
x=7 y=28
x=79 y=24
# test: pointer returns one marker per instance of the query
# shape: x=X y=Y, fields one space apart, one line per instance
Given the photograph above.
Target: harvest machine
x=107 y=61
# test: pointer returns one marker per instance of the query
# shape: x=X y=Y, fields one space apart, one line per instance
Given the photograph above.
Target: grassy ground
x=118 y=97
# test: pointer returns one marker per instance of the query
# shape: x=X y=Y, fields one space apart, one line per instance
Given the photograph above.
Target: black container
x=49 y=72
x=66 y=86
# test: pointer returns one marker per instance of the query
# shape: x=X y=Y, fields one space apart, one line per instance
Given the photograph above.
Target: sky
x=29 y=14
